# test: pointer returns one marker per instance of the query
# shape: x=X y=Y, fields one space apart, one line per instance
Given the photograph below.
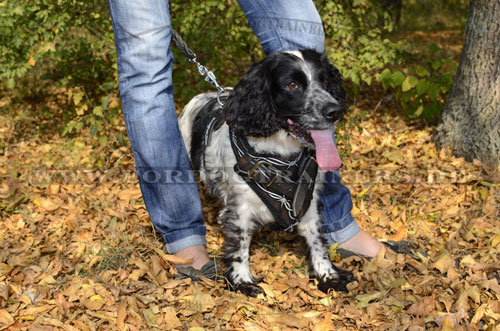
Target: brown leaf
x=129 y=194
x=423 y=307
x=121 y=315
x=93 y=305
x=175 y=259
x=171 y=317
x=463 y=299
x=325 y=325
x=443 y=263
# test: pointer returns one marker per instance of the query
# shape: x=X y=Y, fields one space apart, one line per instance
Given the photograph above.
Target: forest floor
x=79 y=252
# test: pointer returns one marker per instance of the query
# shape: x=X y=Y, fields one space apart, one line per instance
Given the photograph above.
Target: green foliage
x=67 y=47
x=423 y=89
x=356 y=34
x=431 y=15
x=355 y=40
x=218 y=32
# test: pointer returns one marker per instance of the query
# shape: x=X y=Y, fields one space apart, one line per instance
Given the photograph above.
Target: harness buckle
x=256 y=167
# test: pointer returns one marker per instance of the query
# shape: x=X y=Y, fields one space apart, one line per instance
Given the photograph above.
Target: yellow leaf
x=47 y=281
x=77 y=97
x=32 y=61
x=362 y=193
x=46 y=204
x=483 y=193
x=495 y=240
x=96 y=297
x=419 y=111
x=54 y=188
x=479 y=314
x=447 y=323
x=6 y=319
x=81 y=110
x=79 y=144
x=26 y=318
x=332 y=251
x=326 y=301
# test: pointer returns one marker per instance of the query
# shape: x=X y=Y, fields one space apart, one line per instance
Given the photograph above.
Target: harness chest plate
x=285 y=186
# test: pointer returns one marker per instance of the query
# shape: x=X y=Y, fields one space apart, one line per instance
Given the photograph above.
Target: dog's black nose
x=333 y=112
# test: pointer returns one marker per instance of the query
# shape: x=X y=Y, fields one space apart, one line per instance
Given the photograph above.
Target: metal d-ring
x=224 y=89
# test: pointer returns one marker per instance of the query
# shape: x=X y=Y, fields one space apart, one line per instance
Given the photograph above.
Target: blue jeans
x=142 y=35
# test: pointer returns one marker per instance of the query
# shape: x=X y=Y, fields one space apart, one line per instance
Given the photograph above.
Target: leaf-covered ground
x=78 y=251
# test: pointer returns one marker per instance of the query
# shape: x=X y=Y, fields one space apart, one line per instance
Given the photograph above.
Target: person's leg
x=339 y=225
x=285 y=24
x=142 y=35
x=295 y=24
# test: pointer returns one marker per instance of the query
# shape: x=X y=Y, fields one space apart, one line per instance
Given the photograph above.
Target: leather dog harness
x=285 y=186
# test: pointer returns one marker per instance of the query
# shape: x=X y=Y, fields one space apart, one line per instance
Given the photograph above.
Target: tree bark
x=470 y=122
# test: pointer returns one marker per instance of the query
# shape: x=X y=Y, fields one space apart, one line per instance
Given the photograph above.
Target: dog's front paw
x=247 y=288
x=337 y=283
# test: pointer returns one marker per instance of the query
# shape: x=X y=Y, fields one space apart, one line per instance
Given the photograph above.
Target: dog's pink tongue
x=327 y=154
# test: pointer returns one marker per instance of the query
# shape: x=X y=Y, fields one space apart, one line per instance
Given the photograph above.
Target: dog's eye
x=292 y=85
x=325 y=82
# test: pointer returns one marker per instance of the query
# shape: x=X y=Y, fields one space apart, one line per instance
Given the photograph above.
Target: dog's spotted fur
x=300 y=86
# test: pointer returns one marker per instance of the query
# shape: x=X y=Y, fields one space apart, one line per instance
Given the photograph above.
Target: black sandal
x=210 y=270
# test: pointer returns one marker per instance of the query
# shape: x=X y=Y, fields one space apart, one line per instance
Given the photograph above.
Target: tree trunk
x=470 y=123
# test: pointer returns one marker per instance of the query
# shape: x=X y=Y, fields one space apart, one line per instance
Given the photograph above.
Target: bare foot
x=362 y=243
x=197 y=253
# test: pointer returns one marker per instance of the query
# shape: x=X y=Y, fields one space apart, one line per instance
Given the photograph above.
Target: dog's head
x=298 y=91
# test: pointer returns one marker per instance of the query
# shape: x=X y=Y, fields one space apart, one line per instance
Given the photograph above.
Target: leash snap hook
x=219 y=93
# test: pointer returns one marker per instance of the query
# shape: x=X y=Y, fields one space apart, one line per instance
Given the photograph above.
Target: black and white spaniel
x=260 y=155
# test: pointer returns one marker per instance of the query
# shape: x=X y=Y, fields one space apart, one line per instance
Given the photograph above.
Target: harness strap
x=285 y=186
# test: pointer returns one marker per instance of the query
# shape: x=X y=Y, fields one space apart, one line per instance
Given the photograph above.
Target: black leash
x=209 y=76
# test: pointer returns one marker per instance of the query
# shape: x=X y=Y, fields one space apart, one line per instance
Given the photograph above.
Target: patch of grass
x=113 y=258
x=269 y=244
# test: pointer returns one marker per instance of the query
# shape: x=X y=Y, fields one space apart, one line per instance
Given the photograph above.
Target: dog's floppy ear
x=334 y=86
x=250 y=109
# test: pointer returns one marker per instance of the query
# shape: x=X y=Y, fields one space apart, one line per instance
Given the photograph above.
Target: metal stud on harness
x=209 y=76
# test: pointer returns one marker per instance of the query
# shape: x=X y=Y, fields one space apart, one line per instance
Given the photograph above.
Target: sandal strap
x=210 y=270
